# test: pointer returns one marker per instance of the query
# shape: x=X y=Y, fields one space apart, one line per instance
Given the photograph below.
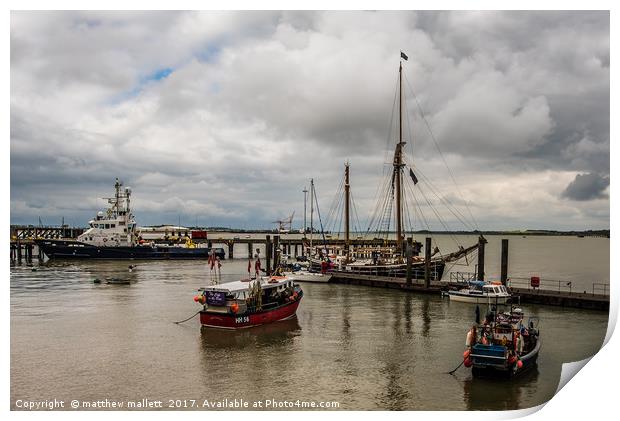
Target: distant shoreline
x=583 y=233
x=587 y=233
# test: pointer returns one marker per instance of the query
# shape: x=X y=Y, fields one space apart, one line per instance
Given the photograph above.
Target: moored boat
x=480 y=292
x=113 y=235
x=248 y=303
x=502 y=345
x=400 y=200
x=307 y=276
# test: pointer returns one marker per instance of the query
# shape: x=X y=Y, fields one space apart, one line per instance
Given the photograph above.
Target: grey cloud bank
x=222 y=117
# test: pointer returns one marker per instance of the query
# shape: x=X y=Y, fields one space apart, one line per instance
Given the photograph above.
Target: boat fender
x=466 y=354
x=519 y=364
x=467 y=363
x=469 y=341
x=200 y=299
x=234 y=307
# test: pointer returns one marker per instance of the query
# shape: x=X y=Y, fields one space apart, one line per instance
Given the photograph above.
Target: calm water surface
x=365 y=348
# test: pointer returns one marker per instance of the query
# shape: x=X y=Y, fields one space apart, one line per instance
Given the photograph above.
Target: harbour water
x=365 y=348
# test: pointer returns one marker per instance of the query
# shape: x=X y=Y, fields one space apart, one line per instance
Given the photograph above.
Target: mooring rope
x=189 y=318
x=452 y=372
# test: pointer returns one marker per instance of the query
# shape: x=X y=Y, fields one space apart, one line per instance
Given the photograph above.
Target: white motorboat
x=305 y=276
x=480 y=292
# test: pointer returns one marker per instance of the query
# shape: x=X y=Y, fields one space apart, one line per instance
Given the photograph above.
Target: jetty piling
x=504 y=263
x=231 y=249
x=276 y=252
x=268 y=251
x=481 y=243
x=427 y=263
x=409 y=251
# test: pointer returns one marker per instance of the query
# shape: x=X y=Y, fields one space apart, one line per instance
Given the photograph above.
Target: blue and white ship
x=113 y=235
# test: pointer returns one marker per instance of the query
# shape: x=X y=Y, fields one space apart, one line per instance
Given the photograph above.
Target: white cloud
x=256 y=103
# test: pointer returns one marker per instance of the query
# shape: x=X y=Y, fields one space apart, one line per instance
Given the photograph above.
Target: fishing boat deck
x=244 y=285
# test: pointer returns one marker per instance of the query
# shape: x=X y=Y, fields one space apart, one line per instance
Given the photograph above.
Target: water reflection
x=499 y=394
x=369 y=348
x=426 y=318
x=273 y=334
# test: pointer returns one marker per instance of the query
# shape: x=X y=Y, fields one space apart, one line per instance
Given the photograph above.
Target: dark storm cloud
x=587 y=187
x=253 y=104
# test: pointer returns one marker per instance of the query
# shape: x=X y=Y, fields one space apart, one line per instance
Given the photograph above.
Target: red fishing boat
x=248 y=303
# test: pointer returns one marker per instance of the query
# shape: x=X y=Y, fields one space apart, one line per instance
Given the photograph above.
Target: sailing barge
x=390 y=214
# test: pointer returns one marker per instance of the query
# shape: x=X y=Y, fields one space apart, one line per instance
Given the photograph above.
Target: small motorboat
x=306 y=276
x=117 y=281
x=480 y=292
x=249 y=302
x=502 y=345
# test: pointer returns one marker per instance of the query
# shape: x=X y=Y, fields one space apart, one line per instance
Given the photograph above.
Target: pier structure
x=550 y=292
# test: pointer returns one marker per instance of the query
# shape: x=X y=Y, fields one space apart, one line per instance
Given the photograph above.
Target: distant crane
x=285 y=225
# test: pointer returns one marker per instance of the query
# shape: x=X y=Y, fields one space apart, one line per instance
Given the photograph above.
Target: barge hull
x=61 y=249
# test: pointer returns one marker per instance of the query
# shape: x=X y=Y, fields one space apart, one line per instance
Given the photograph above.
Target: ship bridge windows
x=112 y=225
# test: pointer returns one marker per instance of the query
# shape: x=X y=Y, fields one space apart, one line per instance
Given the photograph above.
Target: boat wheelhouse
x=248 y=303
x=480 y=292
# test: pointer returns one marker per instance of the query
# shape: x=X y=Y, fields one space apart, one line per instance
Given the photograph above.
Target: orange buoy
x=234 y=307
x=468 y=363
x=519 y=364
x=466 y=354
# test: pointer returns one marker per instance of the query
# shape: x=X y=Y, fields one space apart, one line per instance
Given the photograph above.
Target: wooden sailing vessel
x=390 y=260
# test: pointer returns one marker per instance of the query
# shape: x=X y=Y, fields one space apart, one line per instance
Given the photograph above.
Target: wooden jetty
x=557 y=293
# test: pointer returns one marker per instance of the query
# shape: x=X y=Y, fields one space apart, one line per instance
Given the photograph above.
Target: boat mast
x=305 y=191
x=398 y=163
x=347 y=201
x=311 y=211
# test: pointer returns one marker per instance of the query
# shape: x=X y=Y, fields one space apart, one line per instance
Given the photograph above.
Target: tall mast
x=311 y=210
x=305 y=195
x=347 y=201
x=398 y=163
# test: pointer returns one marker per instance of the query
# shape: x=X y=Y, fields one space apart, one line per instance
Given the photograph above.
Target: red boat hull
x=235 y=321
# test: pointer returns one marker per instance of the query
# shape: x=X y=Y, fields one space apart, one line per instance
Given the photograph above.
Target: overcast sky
x=222 y=118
